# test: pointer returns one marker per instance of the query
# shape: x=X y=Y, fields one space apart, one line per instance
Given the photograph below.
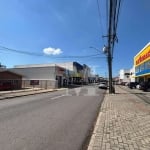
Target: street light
x=106 y=50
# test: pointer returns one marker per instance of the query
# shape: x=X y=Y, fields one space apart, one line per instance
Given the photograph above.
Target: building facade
x=142 y=64
x=53 y=75
x=124 y=76
x=76 y=73
x=132 y=74
x=41 y=75
x=10 y=80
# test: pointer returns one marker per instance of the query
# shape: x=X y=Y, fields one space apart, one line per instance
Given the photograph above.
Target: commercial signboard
x=142 y=56
x=142 y=62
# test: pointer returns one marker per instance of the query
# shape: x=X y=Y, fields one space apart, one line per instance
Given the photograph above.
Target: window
x=142 y=67
x=137 y=69
x=147 y=65
x=34 y=82
x=127 y=74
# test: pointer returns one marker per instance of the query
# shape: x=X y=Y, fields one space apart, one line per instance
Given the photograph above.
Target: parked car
x=102 y=85
x=138 y=86
x=132 y=85
x=145 y=86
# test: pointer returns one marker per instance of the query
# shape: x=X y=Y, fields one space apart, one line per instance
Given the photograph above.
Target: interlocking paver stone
x=123 y=123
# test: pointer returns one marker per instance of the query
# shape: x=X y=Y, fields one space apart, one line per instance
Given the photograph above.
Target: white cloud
x=52 y=51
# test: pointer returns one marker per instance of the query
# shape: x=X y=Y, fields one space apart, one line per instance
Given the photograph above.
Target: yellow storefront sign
x=142 y=56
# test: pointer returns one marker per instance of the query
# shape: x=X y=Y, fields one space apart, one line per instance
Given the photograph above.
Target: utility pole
x=111 y=90
x=109 y=54
x=114 y=7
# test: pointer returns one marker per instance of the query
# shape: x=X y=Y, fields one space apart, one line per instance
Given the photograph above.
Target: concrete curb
x=26 y=94
x=91 y=143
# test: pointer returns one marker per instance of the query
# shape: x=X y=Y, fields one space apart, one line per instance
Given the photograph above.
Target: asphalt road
x=59 y=120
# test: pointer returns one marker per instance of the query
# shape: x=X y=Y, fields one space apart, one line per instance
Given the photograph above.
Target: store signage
x=143 y=56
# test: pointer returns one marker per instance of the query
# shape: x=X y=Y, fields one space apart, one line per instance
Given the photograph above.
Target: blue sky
x=68 y=28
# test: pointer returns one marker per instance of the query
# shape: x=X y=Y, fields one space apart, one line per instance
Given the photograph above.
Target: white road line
x=58 y=97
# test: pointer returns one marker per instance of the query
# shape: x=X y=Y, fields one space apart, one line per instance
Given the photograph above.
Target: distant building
x=2 y=67
x=124 y=76
x=116 y=80
x=74 y=72
x=132 y=74
x=86 y=73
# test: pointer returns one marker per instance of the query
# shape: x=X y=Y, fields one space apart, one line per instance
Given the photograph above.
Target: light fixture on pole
x=105 y=49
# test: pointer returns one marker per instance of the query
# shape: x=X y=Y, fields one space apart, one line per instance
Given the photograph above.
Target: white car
x=102 y=85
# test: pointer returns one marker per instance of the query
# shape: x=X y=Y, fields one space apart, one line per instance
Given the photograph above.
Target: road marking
x=58 y=97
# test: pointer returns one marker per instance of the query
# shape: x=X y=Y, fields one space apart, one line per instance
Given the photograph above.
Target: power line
x=115 y=23
x=100 y=19
x=39 y=54
x=19 y=51
x=114 y=7
x=118 y=12
x=107 y=13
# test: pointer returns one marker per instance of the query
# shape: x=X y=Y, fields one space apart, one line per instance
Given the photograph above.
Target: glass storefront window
x=147 y=65
x=141 y=67
x=137 y=69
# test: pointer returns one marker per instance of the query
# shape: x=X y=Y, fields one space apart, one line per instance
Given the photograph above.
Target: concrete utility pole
x=111 y=90
x=109 y=53
x=114 y=7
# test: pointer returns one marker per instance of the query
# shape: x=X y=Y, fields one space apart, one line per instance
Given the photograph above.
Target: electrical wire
x=118 y=12
x=3 y=48
x=107 y=13
x=113 y=34
x=115 y=24
x=18 y=51
x=100 y=20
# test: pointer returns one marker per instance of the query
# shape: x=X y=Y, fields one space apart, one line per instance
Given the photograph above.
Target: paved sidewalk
x=123 y=123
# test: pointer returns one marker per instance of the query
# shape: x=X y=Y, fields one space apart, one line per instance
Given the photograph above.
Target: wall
x=124 y=75
x=45 y=75
x=6 y=75
x=36 y=73
x=42 y=84
x=11 y=80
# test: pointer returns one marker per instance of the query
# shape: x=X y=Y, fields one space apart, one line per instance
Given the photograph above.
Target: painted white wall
x=132 y=74
x=36 y=73
x=124 y=75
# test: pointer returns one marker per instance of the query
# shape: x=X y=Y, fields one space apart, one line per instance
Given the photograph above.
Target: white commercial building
x=132 y=74
x=41 y=75
x=124 y=76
